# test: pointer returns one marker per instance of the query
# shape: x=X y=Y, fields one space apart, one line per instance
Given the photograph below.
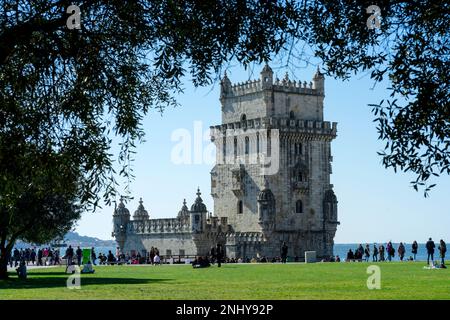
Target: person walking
x=442 y=250
x=79 y=254
x=381 y=249
x=401 y=251
x=367 y=253
x=93 y=256
x=69 y=256
x=430 y=250
x=389 y=250
x=219 y=254
x=152 y=254
x=284 y=251
x=375 y=253
x=39 y=255
x=415 y=248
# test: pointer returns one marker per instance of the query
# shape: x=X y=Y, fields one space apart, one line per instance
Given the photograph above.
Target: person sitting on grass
x=22 y=270
x=156 y=259
x=201 y=262
x=88 y=268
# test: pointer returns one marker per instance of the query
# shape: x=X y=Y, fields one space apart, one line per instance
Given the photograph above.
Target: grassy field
x=244 y=281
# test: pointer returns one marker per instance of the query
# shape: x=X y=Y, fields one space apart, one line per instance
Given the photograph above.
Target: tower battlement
x=283 y=124
x=233 y=90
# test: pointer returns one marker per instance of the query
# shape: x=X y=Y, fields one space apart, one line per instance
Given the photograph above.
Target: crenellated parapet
x=309 y=128
x=170 y=225
x=266 y=82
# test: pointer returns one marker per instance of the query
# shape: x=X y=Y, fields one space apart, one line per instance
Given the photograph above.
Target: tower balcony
x=237 y=181
x=300 y=186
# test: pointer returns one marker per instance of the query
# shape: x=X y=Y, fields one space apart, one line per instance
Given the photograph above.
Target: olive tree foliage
x=65 y=93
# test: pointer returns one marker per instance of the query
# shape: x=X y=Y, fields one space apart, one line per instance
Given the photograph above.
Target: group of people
x=33 y=256
x=216 y=254
x=382 y=253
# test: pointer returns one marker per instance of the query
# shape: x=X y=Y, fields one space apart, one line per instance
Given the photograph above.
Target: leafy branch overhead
x=65 y=94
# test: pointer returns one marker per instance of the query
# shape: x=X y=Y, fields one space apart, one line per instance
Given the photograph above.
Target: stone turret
x=319 y=82
x=266 y=77
x=225 y=86
x=141 y=213
x=184 y=211
x=121 y=218
x=198 y=213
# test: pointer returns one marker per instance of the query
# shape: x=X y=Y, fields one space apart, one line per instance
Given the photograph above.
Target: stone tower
x=121 y=218
x=272 y=174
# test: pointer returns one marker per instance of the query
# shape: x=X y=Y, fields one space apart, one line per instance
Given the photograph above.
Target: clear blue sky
x=375 y=204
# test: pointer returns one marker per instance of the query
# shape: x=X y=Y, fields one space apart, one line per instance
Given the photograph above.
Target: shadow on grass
x=59 y=279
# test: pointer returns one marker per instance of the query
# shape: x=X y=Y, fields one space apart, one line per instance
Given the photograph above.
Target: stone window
x=299 y=206
x=257 y=142
x=235 y=147
x=298 y=148
x=224 y=148
x=240 y=208
x=243 y=118
x=168 y=252
x=247 y=145
x=291 y=115
x=181 y=253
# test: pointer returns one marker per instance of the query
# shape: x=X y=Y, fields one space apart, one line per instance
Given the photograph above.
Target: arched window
x=240 y=207
x=257 y=142
x=291 y=115
x=298 y=148
x=299 y=206
x=224 y=148
x=247 y=145
x=243 y=118
x=235 y=147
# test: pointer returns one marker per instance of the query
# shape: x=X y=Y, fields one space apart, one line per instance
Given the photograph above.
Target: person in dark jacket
x=284 y=251
x=442 y=250
x=430 y=250
x=401 y=251
x=415 y=248
x=79 y=253
x=219 y=254
x=375 y=253
x=350 y=255
x=367 y=253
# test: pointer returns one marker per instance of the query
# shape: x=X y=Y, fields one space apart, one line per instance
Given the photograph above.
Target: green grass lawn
x=406 y=280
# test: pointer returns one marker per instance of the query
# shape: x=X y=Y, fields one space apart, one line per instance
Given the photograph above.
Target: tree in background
x=66 y=92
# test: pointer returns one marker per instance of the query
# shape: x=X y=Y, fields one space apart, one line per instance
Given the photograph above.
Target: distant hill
x=74 y=239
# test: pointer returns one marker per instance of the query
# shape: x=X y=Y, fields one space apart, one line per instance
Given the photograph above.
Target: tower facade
x=270 y=185
x=272 y=175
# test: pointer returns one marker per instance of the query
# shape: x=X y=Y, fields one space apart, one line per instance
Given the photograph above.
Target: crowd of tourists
x=388 y=252
x=35 y=257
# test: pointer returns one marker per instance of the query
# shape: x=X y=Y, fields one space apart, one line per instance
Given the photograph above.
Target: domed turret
x=121 y=218
x=319 y=82
x=267 y=76
x=121 y=210
x=184 y=210
x=141 y=213
x=198 y=205
x=225 y=85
